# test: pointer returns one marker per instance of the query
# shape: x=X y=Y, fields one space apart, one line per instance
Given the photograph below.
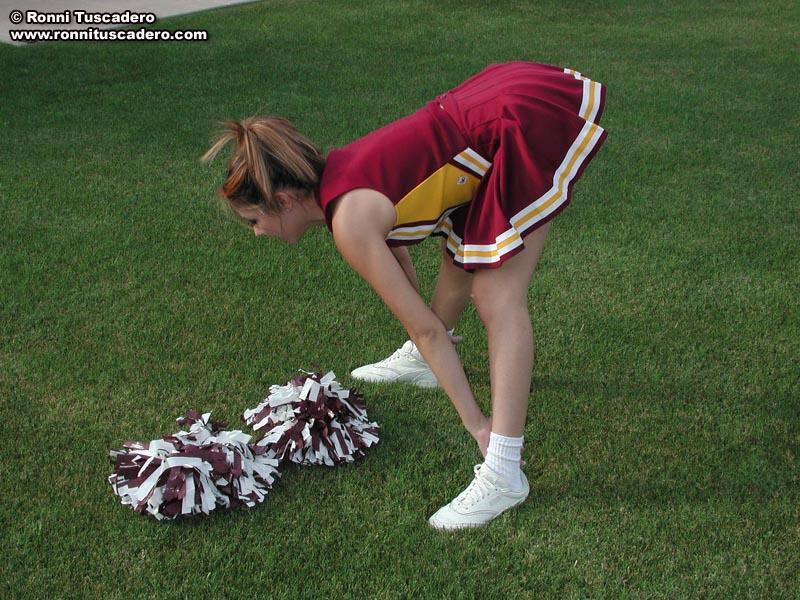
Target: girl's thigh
x=451 y=272
x=509 y=283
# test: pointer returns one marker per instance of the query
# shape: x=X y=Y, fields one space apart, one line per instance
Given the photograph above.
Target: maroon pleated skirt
x=534 y=128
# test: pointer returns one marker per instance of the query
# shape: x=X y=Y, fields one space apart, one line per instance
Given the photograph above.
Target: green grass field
x=664 y=428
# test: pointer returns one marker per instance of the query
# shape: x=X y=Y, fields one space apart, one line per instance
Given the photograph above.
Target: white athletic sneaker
x=406 y=365
x=484 y=499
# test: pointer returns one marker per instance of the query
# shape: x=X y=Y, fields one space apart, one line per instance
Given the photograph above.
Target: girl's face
x=289 y=225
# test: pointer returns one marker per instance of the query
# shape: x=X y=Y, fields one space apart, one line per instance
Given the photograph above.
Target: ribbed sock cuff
x=503 y=456
x=506 y=446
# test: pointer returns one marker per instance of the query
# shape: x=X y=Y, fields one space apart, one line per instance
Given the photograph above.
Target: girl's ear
x=286 y=198
x=282 y=199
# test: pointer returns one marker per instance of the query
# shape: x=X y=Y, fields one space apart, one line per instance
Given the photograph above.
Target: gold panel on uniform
x=445 y=188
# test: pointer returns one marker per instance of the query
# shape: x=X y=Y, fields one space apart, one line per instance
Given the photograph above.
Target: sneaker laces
x=475 y=491
x=402 y=352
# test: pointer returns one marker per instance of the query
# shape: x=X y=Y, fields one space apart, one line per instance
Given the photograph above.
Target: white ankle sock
x=503 y=458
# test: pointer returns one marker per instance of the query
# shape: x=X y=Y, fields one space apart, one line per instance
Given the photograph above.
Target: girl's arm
x=404 y=258
x=361 y=221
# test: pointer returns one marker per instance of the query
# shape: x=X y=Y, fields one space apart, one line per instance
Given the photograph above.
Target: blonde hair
x=270 y=155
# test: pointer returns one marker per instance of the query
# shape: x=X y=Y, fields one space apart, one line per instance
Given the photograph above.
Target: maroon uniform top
x=483 y=164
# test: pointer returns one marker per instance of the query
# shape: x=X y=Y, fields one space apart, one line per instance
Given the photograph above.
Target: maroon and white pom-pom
x=192 y=472
x=313 y=420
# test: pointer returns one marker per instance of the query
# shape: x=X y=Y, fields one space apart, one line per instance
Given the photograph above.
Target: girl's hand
x=482 y=437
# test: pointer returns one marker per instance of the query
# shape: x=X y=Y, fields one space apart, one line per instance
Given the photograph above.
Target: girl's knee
x=493 y=303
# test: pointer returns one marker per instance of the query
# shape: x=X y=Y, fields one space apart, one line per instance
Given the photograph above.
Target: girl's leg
x=501 y=297
x=452 y=293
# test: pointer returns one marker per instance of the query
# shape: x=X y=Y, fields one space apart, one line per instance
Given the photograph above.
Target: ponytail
x=270 y=154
